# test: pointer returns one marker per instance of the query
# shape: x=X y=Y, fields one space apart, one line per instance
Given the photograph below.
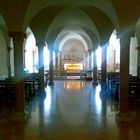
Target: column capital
x=40 y=44
x=125 y=39
x=126 y=34
x=50 y=48
x=17 y=34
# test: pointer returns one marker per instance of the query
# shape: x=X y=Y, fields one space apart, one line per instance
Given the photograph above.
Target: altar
x=73 y=67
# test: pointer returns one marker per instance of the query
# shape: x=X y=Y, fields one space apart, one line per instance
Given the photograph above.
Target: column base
x=125 y=117
x=50 y=83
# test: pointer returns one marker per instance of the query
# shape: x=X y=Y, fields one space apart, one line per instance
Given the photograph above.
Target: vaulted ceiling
x=52 y=20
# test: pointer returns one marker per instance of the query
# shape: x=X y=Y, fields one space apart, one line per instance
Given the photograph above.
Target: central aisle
x=72 y=110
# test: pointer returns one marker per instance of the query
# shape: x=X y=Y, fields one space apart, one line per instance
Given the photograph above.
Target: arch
x=113 y=53
x=61 y=32
x=93 y=12
x=75 y=21
x=37 y=6
x=80 y=35
x=73 y=36
x=30 y=37
x=102 y=22
x=39 y=28
x=72 y=18
x=31 y=52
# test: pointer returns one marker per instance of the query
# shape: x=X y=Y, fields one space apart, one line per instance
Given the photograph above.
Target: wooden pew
x=7 y=93
x=134 y=83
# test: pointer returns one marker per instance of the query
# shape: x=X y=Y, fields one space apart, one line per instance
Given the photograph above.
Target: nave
x=70 y=110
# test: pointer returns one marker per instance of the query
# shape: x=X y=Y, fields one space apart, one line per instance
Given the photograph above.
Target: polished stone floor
x=71 y=110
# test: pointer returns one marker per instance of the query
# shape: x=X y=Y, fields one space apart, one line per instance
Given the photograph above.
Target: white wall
x=110 y=59
x=138 y=39
x=133 y=57
x=30 y=47
x=114 y=44
x=3 y=56
x=113 y=52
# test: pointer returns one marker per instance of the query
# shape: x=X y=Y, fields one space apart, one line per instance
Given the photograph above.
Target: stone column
x=89 y=59
x=24 y=57
x=33 y=53
x=123 y=114
x=41 y=64
x=56 y=63
x=18 y=38
x=9 y=61
x=60 y=60
x=94 y=69
x=86 y=61
x=51 y=82
x=114 y=63
x=12 y=56
x=138 y=67
x=59 y=63
x=104 y=68
x=24 y=50
x=56 y=59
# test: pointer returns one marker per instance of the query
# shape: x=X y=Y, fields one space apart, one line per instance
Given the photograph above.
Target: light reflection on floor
x=97 y=98
x=74 y=112
x=47 y=101
x=72 y=106
x=73 y=85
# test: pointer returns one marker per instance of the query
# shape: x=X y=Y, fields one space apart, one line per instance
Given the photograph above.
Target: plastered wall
x=3 y=56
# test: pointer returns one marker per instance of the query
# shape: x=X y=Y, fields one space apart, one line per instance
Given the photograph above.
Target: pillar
x=56 y=59
x=138 y=67
x=59 y=63
x=33 y=53
x=56 y=63
x=24 y=57
x=9 y=61
x=103 y=68
x=59 y=60
x=89 y=59
x=94 y=69
x=18 y=38
x=114 y=57
x=124 y=114
x=51 y=82
x=86 y=61
x=24 y=50
x=10 y=58
x=90 y=62
x=41 y=64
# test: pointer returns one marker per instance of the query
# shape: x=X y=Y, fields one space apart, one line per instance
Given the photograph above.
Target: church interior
x=69 y=69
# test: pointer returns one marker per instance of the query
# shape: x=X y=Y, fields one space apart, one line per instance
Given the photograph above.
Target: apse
x=73 y=49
